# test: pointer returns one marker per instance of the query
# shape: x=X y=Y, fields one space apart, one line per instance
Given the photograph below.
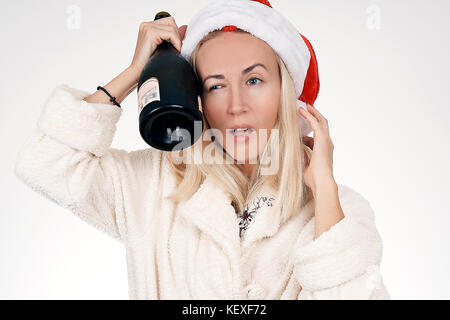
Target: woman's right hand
x=151 y=34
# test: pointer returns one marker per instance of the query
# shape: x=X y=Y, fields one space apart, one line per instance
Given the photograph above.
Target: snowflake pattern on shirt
x=247 y=216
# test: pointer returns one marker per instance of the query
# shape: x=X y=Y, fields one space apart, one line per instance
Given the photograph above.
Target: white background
x=384 y=92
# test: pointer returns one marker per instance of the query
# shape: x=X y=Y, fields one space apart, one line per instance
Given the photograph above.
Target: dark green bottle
x=168 y=90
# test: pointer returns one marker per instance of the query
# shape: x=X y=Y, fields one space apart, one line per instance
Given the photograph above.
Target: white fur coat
x=192 y=250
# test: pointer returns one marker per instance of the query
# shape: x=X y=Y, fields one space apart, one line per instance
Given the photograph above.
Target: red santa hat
x=264 y=22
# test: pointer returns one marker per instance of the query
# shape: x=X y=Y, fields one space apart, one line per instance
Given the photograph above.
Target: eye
x=255 y=79
x=218 y=85
x=212 y=88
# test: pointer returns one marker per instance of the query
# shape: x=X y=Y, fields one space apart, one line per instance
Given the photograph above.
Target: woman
x=222 y=230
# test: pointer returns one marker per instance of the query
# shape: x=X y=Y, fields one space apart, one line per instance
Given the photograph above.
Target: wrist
x=133 y=74
x=128 y=79
x=324 y=185
x=134 y=70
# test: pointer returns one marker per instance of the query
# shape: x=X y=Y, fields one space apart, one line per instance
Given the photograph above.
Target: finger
x=167 y=33
x=313 y=122
x=182 y=31
x=316 y=113
x=168 y=27
x=322 y=120
x=169 y=21
x=163 y=27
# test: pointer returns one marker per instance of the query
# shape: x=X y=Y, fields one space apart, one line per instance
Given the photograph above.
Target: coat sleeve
x=344 y=261
x=68 y=160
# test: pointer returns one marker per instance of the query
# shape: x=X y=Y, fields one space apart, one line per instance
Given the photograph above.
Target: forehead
x=233 y=51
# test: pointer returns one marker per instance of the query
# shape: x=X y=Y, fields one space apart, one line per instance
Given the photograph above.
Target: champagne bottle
x=168 y=90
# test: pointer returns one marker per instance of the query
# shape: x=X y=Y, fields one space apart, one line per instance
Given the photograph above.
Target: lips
x=238 y=129
x=241 y=131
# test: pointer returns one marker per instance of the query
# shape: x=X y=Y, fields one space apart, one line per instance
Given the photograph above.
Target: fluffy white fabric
x=62 y=113
x=192 y=250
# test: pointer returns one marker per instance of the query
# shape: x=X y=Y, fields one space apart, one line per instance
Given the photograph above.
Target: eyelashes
x=212 y=88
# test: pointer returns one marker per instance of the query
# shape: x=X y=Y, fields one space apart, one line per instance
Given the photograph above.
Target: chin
x=247 y=152
x=241 y=155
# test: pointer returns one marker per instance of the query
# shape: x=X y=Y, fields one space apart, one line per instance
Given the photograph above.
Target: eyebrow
x=246 y=70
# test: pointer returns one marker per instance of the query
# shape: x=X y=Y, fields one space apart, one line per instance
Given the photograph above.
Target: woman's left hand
x=319 y=170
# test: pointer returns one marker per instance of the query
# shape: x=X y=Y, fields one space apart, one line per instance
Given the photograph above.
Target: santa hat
x=264 y=22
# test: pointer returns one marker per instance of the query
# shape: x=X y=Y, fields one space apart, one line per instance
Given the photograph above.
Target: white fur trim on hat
x=261 y=21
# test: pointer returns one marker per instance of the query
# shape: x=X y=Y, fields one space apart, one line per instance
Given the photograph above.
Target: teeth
x=241 y=131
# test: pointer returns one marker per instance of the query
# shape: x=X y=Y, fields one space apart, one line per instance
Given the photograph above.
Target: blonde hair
x=293 y=194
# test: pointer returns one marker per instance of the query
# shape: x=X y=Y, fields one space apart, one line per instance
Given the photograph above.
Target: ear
x=182 y=31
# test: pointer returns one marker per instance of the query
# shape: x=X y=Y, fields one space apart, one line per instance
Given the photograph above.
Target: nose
x=237 y=103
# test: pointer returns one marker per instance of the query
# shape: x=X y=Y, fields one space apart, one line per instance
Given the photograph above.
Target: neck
x=249 y=170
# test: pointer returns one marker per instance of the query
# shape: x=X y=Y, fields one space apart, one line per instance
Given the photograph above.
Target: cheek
x=268 y=109
x=213 y=112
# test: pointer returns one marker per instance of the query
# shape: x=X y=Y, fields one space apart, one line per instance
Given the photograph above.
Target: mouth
x=241 y=131
x=242 y=135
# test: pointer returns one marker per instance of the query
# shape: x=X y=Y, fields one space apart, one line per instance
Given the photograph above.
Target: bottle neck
x=165 y=46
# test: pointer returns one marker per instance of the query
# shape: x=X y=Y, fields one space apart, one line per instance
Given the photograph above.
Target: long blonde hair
x=293 y=194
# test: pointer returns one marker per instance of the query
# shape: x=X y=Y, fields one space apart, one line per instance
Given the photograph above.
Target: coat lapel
x=211 y=211
x=267 y=216
x=265 y=212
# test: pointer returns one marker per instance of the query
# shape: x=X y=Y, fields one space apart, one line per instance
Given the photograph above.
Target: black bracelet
x=112 y=99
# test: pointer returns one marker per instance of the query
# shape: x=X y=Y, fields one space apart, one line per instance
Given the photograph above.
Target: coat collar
x=265 y=210
x=210 y=210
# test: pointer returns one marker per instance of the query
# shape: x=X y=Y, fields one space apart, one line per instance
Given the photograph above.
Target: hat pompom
x=229 y=28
